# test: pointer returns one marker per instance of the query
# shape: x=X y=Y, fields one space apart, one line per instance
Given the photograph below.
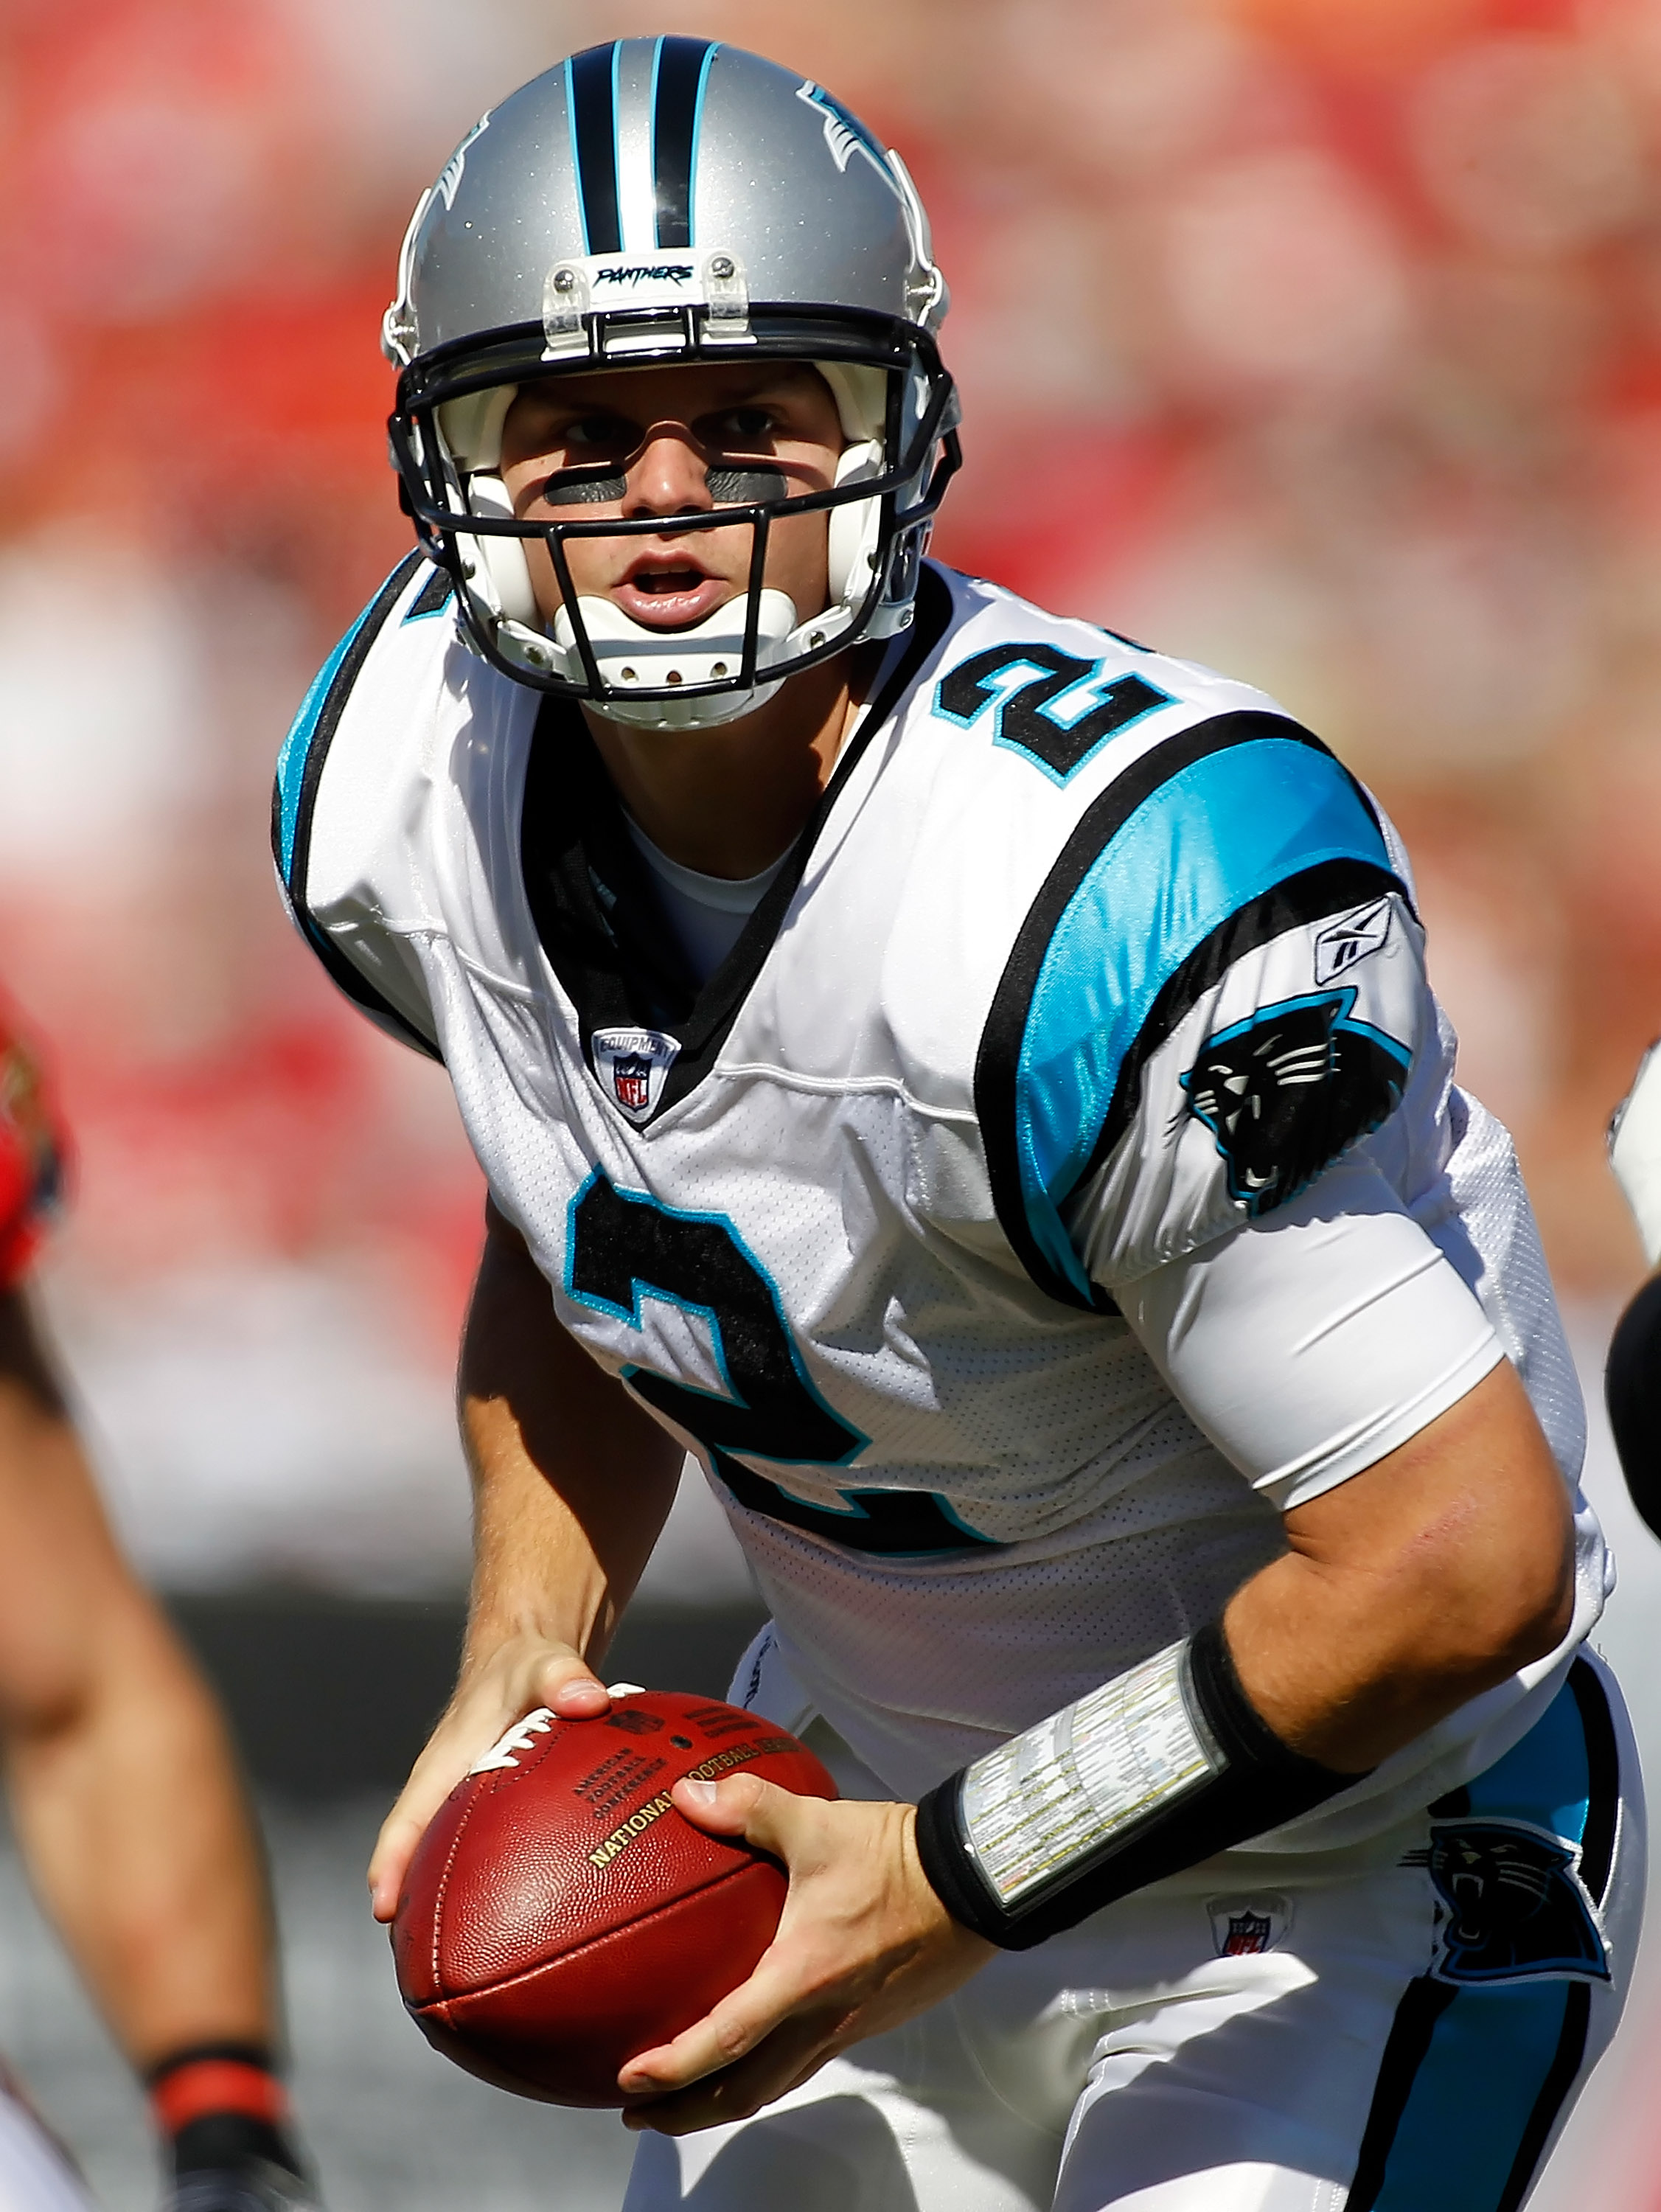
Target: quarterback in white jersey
x=971 y=1082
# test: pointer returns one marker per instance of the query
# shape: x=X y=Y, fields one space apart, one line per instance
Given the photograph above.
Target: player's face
x=638 y=442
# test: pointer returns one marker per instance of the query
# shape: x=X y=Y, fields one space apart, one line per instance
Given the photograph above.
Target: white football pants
x=1398 y=2028
x=35 y=2175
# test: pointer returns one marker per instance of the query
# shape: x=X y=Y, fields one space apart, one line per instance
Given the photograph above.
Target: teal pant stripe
x=1498 y=2063
x=1546 y=1778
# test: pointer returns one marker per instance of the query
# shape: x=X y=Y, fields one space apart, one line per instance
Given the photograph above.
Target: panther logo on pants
x=1515 y=1903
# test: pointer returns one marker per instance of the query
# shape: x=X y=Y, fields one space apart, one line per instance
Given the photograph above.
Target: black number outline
x=1024 y=723
x=619 y=1247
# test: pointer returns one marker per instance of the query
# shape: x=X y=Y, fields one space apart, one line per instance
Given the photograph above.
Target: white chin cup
x=628 y=653
x=502 y=574
x=851 y=543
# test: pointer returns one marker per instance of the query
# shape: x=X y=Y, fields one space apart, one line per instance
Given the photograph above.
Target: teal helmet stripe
x=591 y=80
x=679 y=78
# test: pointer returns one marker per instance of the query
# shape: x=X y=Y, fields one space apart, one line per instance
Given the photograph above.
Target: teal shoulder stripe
x=1221 y=831
x=298 y=746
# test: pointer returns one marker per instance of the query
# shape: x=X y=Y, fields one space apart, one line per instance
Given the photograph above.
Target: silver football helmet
x=646 y=203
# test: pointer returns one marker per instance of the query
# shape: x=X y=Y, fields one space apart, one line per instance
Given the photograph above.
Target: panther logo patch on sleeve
x=1287 y=1091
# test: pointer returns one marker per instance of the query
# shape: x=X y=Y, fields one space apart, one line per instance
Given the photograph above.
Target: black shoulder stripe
x=998 y=1062
x=340 y=969
x=1313 y=896
x=675 y=134
x=329 y=713
x=594 y=136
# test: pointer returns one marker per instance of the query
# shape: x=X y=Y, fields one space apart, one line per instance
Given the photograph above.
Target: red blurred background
x=1322 y=341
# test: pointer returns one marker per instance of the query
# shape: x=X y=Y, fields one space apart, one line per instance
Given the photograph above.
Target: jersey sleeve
x=1304 y=1045
x=356 y=692
x=1310 y=1343
x=33 y=1155
x=1221 y=993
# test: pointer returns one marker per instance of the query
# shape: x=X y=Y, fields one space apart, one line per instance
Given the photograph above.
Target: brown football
x=560 y=1916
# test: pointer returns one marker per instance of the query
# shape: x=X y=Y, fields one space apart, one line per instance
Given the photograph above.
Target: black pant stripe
x=1566 y=2064
x=1423 y=2006
x=1602 y=1778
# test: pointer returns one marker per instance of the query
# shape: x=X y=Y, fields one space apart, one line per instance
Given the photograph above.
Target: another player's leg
x=124 y=1793
x=36 y=2172
x=1632 y=1379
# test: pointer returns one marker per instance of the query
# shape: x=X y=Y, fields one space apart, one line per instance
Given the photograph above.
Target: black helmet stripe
x=591 y=80
x=680 y=72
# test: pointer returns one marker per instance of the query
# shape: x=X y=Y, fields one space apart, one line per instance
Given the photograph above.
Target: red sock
x=221 y=2104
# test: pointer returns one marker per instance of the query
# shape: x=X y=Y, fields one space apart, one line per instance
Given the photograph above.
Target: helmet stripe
x=679 y=78
x=591 y=82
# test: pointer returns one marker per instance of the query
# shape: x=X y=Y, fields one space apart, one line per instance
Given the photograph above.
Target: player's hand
x=519 y=1675
x=863 y=1944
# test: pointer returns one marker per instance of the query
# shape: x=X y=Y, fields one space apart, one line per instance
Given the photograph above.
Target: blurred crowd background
x=1319 y=339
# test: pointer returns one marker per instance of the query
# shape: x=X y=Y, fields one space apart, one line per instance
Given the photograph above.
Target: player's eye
x=742 y=429
x=592 y=434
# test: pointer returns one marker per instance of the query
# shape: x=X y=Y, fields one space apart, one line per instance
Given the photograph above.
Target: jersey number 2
x=624 y=1247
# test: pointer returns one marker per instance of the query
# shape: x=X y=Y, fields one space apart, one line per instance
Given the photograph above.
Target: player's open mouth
x=670 y=597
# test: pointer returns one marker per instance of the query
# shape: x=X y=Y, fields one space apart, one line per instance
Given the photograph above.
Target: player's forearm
x=139 y=1846
x=122 y=1783
x=1410 y=1588
x=572 y=1480
x=1413 y=1588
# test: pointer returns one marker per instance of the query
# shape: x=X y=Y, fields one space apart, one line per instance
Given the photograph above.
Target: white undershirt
x=707 y=912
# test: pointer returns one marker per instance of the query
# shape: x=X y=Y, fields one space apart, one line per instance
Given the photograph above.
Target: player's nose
x=668 y=475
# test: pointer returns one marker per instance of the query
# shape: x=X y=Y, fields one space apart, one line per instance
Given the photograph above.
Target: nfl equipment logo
x=631 y=1078
x=1247 y=1932
x=632 y=1065
x=1242 y=1926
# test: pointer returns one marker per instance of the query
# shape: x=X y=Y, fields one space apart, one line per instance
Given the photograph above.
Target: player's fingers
x=394 y=1847
x=481 y=1712
x=731 y=1808
x=792 y=2055
x=743 y=2019
x=572 y=1691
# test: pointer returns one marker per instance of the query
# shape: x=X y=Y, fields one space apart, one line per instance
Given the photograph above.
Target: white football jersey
x=1061 y=1173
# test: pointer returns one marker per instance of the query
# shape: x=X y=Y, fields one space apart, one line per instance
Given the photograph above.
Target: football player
x=1632 y=1379
x=971 y=1080
x=122 y=1784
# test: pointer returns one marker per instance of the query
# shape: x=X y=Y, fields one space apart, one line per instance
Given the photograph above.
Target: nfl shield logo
x=631 y=1079
x=630 y=1066
x=1247 y=1932
x=1242 y=1926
